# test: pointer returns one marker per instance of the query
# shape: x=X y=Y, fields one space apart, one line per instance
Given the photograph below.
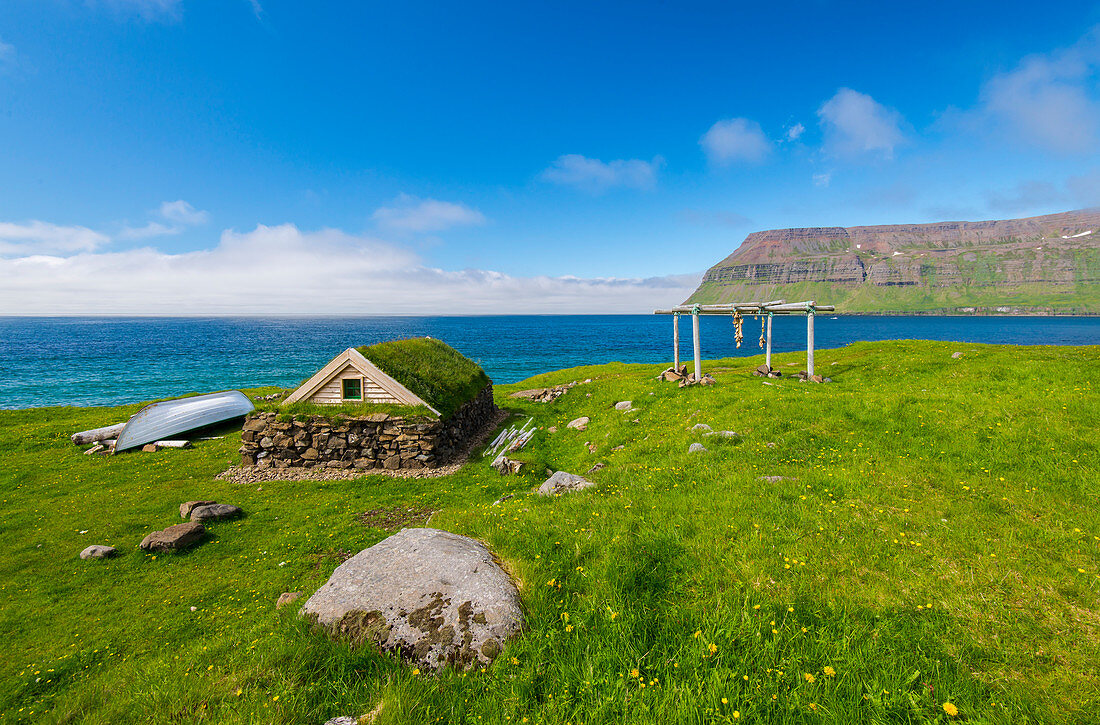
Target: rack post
x=695 y=339
x=810 y=339
x=768 y=352
x=676 y=341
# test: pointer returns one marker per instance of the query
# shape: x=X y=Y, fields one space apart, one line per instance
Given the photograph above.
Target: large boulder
x=188 y=506
x=562 y=482
x=434 y=597
x=174 y=538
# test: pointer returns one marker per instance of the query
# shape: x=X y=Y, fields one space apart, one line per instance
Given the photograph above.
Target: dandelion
x=417 y=671
x=725 y=701
x=712 y=648
x=790 y=609
x=697 y=633
x=809 y=678
x=756 y=606
x=736 y=714
x=634 y=672
x=515 y=660
x=745 y=678
x=950 y=709
x=569 y=628
x=829 y=671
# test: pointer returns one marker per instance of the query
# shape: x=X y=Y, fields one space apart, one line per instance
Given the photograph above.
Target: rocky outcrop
x=1049 y=256
x=434 y=597
x=364 y=442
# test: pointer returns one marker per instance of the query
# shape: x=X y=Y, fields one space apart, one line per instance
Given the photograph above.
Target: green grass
x=971 y=485
x=302 y=409
x=432 y=369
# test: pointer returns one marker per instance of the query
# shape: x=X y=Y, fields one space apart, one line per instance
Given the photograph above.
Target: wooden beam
x=695 y=339
x=810 y=340
x=676 y=342
x=768 y=352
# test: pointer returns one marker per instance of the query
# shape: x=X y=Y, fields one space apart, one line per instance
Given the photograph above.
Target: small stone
x=578 y=423
x=723 y=434
x=150 y=448
x=503 y=498
x=286 y=598
x=623 y=405
x=701 y=426
x=194 y=609
x=188 y=507
x=696 y=448
x=552 y=429
x=561 y=482
x=174 y=538
x=596 y=467
x=817 y=379
x=826 y=380
x=956 y=355
x=762 y=370
x=98 y=551
x=215 y=512
x=343 y=720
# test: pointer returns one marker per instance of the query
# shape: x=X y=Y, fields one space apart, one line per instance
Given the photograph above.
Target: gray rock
x=434 y=597
x=701 y=426
x=696 y=448
x=215 y=512
x=562 y=482
x=174 y=538
x=578 y=423
x=623 y=405
x=187 y=508
x=723 y=434
x=98 y=551
x=956 y=355
x=343 y=720
x=597 y=467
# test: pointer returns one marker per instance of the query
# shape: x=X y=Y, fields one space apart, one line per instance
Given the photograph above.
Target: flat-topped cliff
x=1044 y=264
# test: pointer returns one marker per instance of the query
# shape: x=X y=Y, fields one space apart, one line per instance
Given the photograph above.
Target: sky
x=196 y=157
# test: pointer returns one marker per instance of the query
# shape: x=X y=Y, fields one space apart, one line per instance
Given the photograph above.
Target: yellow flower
x=613 y=615
x=790 y=609
x=569 y=628
x=697 y=633
x=829 y=671
x=725 y=701
x=809 y=678
x=950 y=709
x=416 y=671
x=515 y=660
x=756 y=606
x=736 y=714
x=713 y=648
x=634 y=672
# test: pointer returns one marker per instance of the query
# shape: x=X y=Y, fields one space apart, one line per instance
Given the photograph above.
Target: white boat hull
x=169 y=418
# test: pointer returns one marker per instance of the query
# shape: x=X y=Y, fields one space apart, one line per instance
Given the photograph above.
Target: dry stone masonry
x=364 y=442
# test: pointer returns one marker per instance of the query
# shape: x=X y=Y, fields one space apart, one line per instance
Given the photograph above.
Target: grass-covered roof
x=441 y=375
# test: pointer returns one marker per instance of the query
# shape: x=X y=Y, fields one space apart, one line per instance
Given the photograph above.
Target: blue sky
x=192 y=156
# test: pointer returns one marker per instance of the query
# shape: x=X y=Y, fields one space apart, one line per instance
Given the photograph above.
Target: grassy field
x=932 y=547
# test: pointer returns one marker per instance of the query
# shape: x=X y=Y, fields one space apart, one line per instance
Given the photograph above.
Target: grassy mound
x=924 y=531
x=432 y=369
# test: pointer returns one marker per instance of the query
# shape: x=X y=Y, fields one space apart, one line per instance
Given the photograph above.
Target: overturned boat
x=159 y=421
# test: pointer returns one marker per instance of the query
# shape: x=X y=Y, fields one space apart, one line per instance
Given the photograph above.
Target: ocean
x=110 y=361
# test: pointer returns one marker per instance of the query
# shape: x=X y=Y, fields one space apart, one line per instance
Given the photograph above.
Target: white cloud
x=7 y=53
x=291 y=271
x=1050 y=100
x=856 y=124
x=411 y=214
x=735 y=139
x=36 y=237
x=795 y=131
x=257 y=9
x=179 y=215
x=147 y=9
x=823 y=179
x=595 y=176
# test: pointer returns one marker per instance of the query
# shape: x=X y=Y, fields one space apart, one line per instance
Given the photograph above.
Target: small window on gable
x=353 y=389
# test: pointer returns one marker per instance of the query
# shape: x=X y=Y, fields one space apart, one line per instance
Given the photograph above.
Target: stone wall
x=373 y=441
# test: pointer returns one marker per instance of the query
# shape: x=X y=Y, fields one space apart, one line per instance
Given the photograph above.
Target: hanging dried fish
x=761 y=318
x=737 y=322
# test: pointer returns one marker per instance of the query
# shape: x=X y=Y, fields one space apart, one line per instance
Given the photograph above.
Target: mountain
x=1044 y=264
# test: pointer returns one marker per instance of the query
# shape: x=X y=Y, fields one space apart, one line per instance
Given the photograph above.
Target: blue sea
x=110 y=361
